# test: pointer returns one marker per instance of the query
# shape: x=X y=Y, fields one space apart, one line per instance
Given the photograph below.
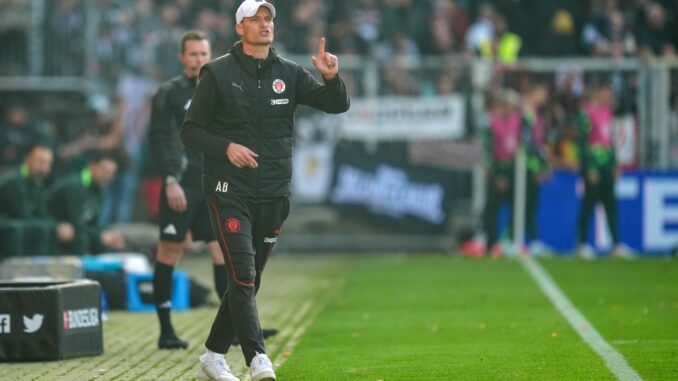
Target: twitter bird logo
x=33 y=324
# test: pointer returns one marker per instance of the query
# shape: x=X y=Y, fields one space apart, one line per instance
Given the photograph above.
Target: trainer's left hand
x=326 y=63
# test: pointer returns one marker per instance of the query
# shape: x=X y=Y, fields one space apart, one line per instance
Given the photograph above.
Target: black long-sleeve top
x=167 y=114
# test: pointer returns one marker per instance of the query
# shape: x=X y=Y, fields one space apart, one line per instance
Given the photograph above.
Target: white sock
x=209 y=355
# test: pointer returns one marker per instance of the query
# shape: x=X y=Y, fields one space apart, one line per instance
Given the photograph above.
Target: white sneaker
x=539 y=249
x=215 y=368
x=508 y=249
x=585 y=252
x=261 y=368
x=622 y=251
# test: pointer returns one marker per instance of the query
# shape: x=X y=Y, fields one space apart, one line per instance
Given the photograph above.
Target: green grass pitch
x=414 y=317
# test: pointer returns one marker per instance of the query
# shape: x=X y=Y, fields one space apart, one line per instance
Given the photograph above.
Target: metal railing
x=645 y=90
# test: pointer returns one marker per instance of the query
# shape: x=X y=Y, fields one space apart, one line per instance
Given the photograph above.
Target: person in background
x=504 y=46
x=104 y=133
x=654 y=35
x=18 y=134
x=599 y=168
x=533 y=139
x=502 y=142
x=241 y=120
x=76 y=199
x=25 y=227
x=482 y=29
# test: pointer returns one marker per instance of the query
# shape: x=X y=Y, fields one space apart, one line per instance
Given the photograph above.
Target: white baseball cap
x=249 y=8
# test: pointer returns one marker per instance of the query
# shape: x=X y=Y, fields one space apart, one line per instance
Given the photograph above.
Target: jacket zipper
x=258 y=128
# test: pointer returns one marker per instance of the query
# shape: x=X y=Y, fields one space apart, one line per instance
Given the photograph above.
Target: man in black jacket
x=182 y=204
x=76 y=199
x=241 y=119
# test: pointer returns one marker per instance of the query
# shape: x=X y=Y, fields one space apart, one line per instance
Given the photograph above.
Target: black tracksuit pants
x=602 y=191
x=246 y=231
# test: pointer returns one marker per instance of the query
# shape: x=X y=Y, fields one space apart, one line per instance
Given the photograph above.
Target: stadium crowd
x=135 y=44
x=141 y=35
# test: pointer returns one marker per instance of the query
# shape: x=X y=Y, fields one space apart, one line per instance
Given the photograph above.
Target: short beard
x=262 y=43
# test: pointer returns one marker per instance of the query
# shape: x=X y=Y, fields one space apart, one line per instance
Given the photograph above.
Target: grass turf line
x=436 y=318
x=633 y=304
x=614 y=360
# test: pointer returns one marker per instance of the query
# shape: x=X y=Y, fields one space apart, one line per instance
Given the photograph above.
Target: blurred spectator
x=448 y=27
x=447 y=82
x=397 y=55
x=18 y=133
x=366 y=18
x=525 y=17
x=533 y=139
x=115 y=40
x=504 y=46
x=64 y=39
x=187 y=10
x=560 y=36
x=569 y=84
x=502 y=140
x=343 y=32
x=606 y=33
x=569 y=89
x=163 y=41
x=25 y=228
x=127 y=42
x=219 y=27
x=76 y=199
x=399 y=48
x=105 y=133
x=482 y=30
x=15 y=19
x=134 y=93
x=139 y=35
x=408 y=17
x=309 y=17
x=599 y=167
x=655 y=36
x=22 y=189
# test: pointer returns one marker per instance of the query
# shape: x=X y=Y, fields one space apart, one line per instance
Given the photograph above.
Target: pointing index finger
x=321 y=48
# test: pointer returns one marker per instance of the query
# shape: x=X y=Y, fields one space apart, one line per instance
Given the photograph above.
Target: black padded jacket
x=252 y=102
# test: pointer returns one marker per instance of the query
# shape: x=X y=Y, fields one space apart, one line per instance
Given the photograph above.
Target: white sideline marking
x=613 y=359
x=637 y=341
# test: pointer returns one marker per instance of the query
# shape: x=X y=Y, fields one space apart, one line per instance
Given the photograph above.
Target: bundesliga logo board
x=50 y=320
